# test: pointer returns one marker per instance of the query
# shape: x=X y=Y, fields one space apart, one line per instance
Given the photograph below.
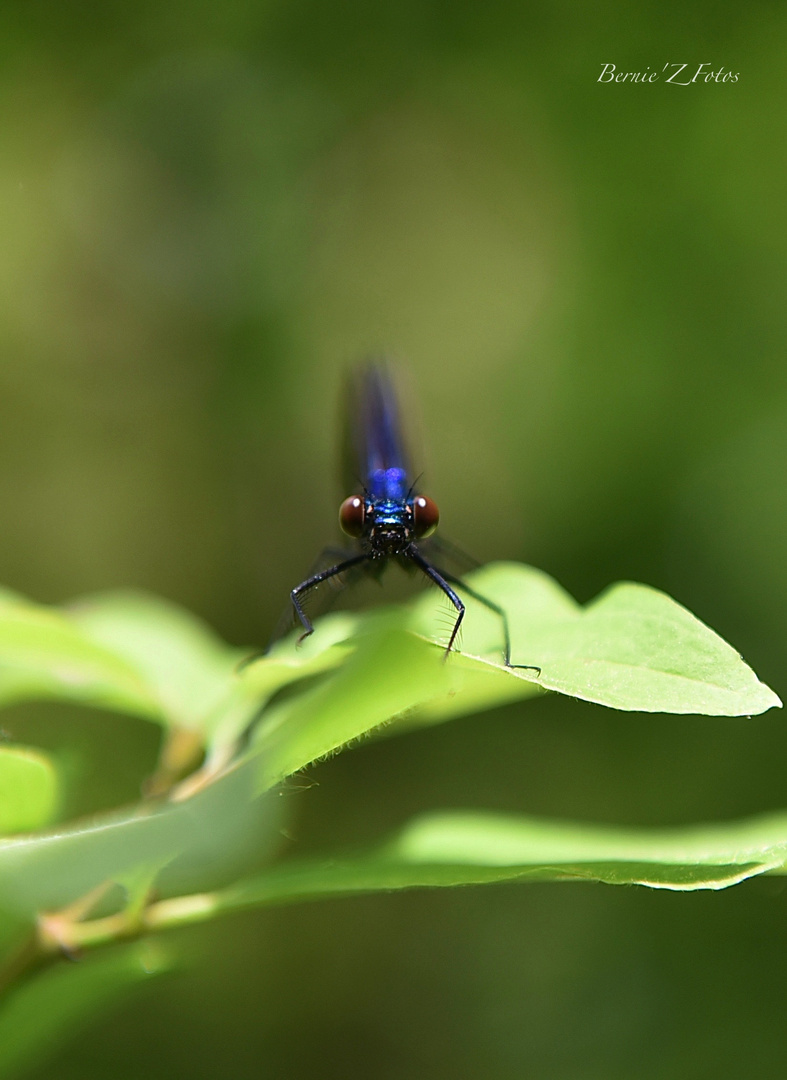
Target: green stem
x=182 y=910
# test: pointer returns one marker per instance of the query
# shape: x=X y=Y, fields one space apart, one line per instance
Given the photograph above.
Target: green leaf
x=391 y=675
x=633 y=648
x=28 y=789
x=288 y=663
x=390 y=671
x=198 y=837
x=47 y=1011
x=470 y=848
x=187 y=668
x=44 y=656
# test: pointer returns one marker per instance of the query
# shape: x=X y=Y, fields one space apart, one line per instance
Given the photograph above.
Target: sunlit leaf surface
x=44 y=656
x=462 y=848
x=632 y=648
x=28 y=789
x=288 y=663
x=184 y=664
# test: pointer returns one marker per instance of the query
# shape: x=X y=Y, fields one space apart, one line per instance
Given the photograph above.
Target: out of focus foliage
x=207 y=213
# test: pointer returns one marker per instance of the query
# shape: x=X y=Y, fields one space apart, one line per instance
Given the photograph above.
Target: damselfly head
x=389 y=527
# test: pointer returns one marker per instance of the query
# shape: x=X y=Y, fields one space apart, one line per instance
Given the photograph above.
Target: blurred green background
x=208 y=213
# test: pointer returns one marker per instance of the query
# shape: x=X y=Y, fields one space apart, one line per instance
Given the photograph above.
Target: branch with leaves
x=230 y=737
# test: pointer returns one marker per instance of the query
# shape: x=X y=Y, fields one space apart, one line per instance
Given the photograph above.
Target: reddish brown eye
x=351 y=516
x=425 y=516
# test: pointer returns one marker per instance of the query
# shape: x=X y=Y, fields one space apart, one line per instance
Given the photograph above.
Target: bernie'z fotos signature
x=679 y=76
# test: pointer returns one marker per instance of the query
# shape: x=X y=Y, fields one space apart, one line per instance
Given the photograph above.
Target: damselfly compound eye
x=352 y=513
x=425 y=516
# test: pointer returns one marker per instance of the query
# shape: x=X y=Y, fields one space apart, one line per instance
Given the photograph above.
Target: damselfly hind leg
x=503 y=619
x=439 y=579
x=443 y=578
